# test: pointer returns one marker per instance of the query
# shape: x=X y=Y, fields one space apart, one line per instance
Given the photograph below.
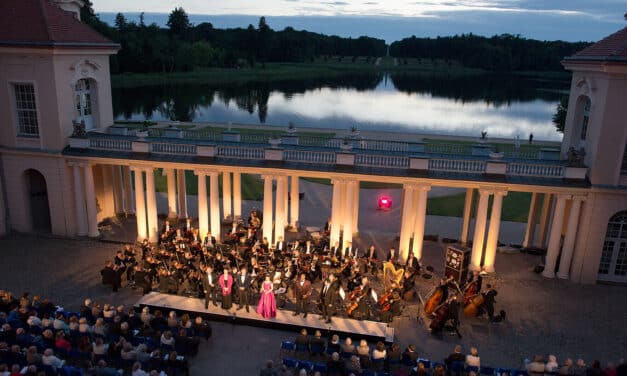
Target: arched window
x=84 y=100
x=613 y=265
x=585 y=118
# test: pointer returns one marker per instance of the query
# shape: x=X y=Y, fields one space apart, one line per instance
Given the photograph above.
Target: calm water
x=502 y=105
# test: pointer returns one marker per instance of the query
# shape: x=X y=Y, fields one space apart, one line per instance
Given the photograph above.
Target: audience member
x=473 y=359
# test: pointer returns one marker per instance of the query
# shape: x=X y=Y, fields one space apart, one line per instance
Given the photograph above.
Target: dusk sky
x=394 y=19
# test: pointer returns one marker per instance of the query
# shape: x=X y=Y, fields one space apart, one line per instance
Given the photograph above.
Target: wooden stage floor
x=284 y=319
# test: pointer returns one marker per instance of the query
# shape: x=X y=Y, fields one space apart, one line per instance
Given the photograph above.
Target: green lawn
x=252 y=185
x=515 y=206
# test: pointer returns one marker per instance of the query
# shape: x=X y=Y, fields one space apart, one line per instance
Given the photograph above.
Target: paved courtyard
x=543 y=316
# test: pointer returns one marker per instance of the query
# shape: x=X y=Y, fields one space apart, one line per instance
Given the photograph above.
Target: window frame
x=13 y=87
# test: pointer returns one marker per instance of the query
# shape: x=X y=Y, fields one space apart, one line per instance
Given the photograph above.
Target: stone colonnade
x=557 y=212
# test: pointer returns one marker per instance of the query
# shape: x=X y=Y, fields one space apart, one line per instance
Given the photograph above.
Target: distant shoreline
x=333 y=67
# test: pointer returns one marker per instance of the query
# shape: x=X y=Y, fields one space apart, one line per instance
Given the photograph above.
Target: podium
x=456 y=263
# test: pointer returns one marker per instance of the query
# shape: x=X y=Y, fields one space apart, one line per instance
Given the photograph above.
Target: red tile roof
x=41 y=23
x=610 y=48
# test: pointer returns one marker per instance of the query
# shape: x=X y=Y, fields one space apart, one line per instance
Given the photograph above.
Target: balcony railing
x=329 y=150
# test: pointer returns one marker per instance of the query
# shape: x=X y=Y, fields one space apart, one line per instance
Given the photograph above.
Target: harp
x=391 y=275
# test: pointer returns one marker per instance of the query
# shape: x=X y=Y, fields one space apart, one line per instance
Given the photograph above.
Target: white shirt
x=210 y=278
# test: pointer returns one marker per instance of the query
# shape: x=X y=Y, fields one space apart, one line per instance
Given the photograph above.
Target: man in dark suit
x=302 y=340
x=412 y=263
x=210 y=286
x=329 y=297
x=302 y=291
x=371 y=259
x=111 y=276
x=488 y=301
x=142 y=280
x=392 y=256
x=209 y=241
x=280 y=245
x=307 y=249
x=243 y=283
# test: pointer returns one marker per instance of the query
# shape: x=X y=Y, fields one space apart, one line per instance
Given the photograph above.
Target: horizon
x=571 y=21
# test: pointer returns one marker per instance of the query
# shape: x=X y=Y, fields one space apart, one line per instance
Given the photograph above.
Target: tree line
x=183 y=46
x=498 y=53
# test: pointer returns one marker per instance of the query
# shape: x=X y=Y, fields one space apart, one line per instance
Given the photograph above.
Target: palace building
x=65 y=166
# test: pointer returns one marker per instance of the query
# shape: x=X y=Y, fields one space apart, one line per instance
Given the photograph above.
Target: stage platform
x=371 y=330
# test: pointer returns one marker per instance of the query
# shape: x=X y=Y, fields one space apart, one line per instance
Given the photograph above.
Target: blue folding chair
x=305 y=364
x=320 y=367
x=499 y=371
x=425 y=362
x=474 y=369
x=290 y=363
x=287 y=346
x=486 y=371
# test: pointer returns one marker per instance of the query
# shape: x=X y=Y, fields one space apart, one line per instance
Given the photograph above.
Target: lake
x=503 y=105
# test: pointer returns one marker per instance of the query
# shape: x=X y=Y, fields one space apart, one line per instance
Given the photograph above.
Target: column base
x=548 y=274
x=488 y=269
x=172 y=216
x=81 y=235
x=94 y=234
x=474 y=268
x=562 y=275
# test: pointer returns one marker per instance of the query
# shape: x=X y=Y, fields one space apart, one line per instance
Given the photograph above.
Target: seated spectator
x=46 y=321
x=595 y=369
x=61 y=342
x=30 y=370
x=167 y=338
x=158 y=322
x=456 y=356
x=438 y=370
x=318 y=341
x=99 y=327
x=23 y=339
x=185 y=323
x=99 y=347
x=33 y=320
x=580 y=368
x=96 y=311
x=610 y=370
x=108 y=312
x=145 y=316
x=551 y=365
x=15 y=370
x=347 y=346
x=32 y=356
x=15 y=355
x=128 y=352
x=48 y=338
x=202 y=328
x=137 y=370
x=335 y=366
x=84 y=345
x=141 y=352
x=126 y=331
x=334 y=345
x=363 y=349
x=302 y=339
x=173 y=321
x=284 y=371
x=83 y=326
x=472 y=359
x=567 y=368
x=48 y=359
x=354 y=365
x=60 y=324
x=73 y=324
x=537 y=366
x=103 y=370
x=379 y=351
x=119 y=311
x=85 y=310
x=302 y=372
x=419 y=370
x=410 y=355
x=268 y=370
x=394 y=354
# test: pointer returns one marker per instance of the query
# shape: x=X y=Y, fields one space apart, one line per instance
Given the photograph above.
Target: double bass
x=472 y=308
x=436 y=298
x=441 y=315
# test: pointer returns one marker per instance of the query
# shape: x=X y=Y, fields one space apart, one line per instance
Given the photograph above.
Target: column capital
x=77 y=163
x=501 y=191
x=165 y=171
x=149 y=169
x=579 y=197
x=564 y=196
x=483 y=191
x=271 y=177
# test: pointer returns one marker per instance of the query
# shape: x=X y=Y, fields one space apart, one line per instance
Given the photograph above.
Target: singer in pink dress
x=267 y=304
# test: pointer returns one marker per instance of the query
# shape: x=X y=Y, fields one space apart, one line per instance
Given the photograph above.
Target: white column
x=214 y=206
x=129 y=204
x=294 y=203
x=348 y=213
x=419 y=225
x=90 y=199
x=480 y=221
x=267 y=208
x=79 y=200
x=493 y=231
x=203 y=213
x=530 y=232
x=226 y=195
x=569 y=240
x=151 y=206
x=140 y=204
x=407 y=219
x=118 y=192
x=182 y=193
x=280 y=217
x=463 y=239
x=171 y=180
x=336 y=208
x=555 y=237
x=545 y=217
x=355 y=212
x=237 y=195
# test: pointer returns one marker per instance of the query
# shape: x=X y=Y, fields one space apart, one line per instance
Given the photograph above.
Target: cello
x=472 y=308
x=436 y=298
x=441 y=315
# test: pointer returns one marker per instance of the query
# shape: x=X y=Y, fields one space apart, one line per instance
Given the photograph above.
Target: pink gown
x=267 y=304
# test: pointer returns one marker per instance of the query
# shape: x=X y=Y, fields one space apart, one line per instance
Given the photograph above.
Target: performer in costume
x=302 y=291
x=267 y=303
x=226 y=283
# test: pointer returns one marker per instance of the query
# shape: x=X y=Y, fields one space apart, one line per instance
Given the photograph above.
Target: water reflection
x=504 y=106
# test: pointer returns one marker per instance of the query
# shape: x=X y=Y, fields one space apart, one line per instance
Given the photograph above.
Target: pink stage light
x=384 y=202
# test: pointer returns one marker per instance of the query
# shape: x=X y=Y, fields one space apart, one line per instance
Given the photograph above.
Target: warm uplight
x=385 y=202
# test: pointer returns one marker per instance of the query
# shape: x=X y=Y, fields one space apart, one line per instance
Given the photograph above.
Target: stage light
x=384 y=202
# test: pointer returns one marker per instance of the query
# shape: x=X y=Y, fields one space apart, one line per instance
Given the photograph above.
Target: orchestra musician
x=412 y=263
x=350 y=251
x=302 y=292
x=111 y=275
x=371 y=260
x=142 y=280
x=280 y=245
x=209 y=283
x=391 y=307
x=392 y=256
x=361 y=300
x=209 y=240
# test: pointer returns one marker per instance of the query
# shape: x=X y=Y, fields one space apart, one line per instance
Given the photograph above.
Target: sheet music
x=342 y=293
